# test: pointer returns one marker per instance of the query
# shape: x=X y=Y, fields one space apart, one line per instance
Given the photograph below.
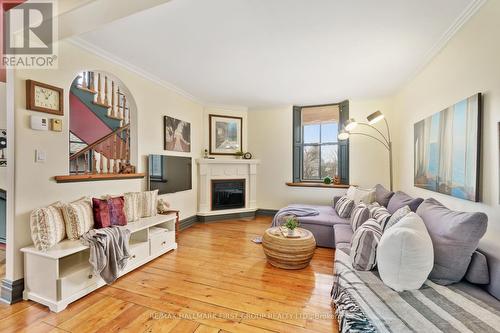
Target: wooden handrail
x=101 y=140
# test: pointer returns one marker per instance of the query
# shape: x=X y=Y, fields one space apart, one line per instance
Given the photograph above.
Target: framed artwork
x=226 y=137
x=177 y=135
x=447 y=150
x=3 y=148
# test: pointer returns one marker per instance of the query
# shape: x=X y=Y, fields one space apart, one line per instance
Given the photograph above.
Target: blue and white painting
x=447 y=150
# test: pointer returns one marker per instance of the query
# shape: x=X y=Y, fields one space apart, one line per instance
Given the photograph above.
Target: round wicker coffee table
x=288 y=253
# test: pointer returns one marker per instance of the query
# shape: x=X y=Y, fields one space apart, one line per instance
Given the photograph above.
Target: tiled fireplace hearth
x=227 y=186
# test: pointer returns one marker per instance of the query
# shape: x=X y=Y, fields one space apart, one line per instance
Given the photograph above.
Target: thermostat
x=39 y=123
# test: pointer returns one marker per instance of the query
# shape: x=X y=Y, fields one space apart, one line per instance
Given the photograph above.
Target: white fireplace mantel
x=213 y=169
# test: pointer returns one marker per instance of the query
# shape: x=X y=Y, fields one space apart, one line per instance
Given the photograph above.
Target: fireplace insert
x=228 y=194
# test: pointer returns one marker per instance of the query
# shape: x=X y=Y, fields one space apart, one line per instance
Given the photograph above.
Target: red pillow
x=108 y=212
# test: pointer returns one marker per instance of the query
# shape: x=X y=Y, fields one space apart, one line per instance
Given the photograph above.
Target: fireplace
x=228 y=194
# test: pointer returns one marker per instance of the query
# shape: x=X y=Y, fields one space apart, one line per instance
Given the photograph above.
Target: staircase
x=99 y=126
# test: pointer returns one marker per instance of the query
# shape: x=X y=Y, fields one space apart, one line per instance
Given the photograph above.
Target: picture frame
x=225 y=135
x=176 y=135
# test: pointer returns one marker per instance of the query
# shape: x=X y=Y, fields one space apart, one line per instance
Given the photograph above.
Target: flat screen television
x=170 y=174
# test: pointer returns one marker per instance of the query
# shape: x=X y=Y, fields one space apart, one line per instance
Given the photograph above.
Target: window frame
x=298 y=145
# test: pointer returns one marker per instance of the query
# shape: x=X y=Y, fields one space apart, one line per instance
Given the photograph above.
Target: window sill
x=312 y=184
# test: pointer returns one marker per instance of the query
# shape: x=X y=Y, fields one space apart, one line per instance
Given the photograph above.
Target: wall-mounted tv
x=170 y=174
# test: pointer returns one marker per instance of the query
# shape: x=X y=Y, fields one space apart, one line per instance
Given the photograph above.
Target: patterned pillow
x=132 y=200
x=364 y=245
x=147 y=203
x=344 y=207
x=360 y=214
x=78 y=217
x=47 y=226
x=116 y=208
x=108 y=212
x=373 y=207
x=382 y=216
x=397 y=216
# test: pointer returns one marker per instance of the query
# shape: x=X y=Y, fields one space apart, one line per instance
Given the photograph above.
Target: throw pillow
x=78 y=217
x=364 y=245
x=109 y=212
x=47 y=226
x=373 y=207
x=344 y=207
x=116 y=208
x=132 y=200
x=397 y=216
x=148 y=203
x=361 y=195
x=382 y=195
x=455 y=236
x=382 y=215
x=478 y=271
x=401 y=199
x=405 y=256
x=360 y=214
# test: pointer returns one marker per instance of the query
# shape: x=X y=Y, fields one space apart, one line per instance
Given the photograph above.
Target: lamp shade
x=375 y=117
x=350 y=124
x=343 y=135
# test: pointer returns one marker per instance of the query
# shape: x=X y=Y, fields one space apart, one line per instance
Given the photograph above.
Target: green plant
x=327 y=180
x=291 y=222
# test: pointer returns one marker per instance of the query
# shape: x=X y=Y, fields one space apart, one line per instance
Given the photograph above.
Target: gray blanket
x=293 y=210
x=108 y=251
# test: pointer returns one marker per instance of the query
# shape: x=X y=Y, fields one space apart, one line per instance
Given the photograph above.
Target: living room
x=256 y=92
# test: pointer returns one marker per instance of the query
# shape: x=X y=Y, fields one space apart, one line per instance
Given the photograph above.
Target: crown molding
x=226 y=107
x=459 y=22
x=79 y=42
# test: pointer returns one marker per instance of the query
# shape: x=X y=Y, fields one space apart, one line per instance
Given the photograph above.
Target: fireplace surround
x=228 y=194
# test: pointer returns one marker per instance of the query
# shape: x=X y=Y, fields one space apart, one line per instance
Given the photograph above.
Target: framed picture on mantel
x=226 y=137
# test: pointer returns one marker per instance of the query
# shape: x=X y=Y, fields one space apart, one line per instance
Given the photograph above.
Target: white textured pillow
x=405 y=256
x=78 y=217
x=147 y=203
x=132 y=206
x=47 y=226
x=361 y=195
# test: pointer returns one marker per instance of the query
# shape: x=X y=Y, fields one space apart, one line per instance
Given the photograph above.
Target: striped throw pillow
x=78 y=217
x=364 y=245
x=148 y=203
x=397 y=216
x=360 y=214
x=344 y=207
x=373 y=207
x=47 y=226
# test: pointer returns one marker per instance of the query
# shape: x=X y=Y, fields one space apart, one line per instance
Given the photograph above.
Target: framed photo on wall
x=226 y=137
x=177 y=135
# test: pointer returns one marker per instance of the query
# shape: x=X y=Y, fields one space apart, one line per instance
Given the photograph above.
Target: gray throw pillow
x=382 y=195
x=397 y=216
x=455 y=236
x=478 y=272
x=364 y=245
x=344 y=207
x=360 y=214
x=401 y=199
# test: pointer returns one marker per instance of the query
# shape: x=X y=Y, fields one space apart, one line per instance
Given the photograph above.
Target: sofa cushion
x=364 y=245
x=360 y=214
x=404 y=255
x=478 y=272
x=343 y=234
x=47 y=226
x=78 y=217
x=382 y=195
x=455 y=236
x=401 y=199
x=491 y=249
x=344 y=207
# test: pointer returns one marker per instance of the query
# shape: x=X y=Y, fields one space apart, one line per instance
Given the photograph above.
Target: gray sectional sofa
x=332 y=231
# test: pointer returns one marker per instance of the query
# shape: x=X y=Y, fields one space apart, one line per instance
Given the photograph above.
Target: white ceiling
x=274 y=52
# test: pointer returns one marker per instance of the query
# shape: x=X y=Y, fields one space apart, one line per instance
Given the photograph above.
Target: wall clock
x=44 y=98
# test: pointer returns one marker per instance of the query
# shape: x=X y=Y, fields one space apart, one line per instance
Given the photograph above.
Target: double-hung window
x=317 y=151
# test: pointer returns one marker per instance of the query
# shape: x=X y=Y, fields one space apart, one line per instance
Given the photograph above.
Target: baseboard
x=12 y=291
x=266 y=212
x=195 y=219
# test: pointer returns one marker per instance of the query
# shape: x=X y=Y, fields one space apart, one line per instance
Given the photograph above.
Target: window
x=317 y=151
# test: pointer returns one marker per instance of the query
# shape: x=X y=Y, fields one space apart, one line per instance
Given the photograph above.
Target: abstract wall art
x=447 y=150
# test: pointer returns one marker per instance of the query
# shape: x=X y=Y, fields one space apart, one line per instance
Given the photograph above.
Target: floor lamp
x=385 y=140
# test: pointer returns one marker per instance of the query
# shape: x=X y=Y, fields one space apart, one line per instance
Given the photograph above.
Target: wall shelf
x=311 y=184
x=97 y=176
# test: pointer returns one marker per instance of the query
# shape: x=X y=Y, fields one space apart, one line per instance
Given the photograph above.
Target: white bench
x=62 y=274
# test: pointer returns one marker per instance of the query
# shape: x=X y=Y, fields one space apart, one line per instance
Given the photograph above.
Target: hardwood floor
x=217 y=281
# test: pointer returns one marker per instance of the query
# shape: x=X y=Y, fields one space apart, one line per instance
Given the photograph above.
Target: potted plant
x=239 y=154
x=327 y=180
x=291 y=223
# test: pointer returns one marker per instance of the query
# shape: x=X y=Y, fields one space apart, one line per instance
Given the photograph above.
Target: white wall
x=34 y=184
x=270 y=135
x=469 y=64
x=3 y=125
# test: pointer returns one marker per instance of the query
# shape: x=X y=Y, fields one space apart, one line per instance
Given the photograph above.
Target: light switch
x=40 y=156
